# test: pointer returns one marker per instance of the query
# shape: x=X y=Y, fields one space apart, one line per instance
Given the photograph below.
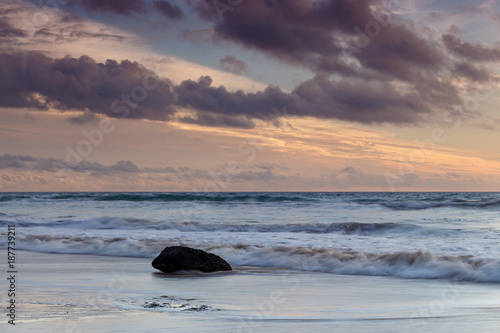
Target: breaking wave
x=347 y=228
x=418 y=264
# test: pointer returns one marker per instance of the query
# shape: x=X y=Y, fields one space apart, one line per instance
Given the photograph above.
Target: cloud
x=25 y=162
x=127 y=89
x=400 y=54
x=469 y=51
x=370 y=65
x=483 y=9
x=132 y=7
x=232 y=64
x=84 y=118
x=8 y=30
x=101 y=36
x=318 y=97
x=125 y=166
x=32 y=26
x=472 y=72
x=117 y=90
x=32 y=79
x=10 y=35
x=128 y=7
x=389 y=79
x=168 y=10
x=217 y=120
x=262 y=176
x=321 y=35
x=455 y=30
x=20 y=162
x=362 y=102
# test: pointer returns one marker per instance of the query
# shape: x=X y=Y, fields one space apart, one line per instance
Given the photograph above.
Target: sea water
x=303 y=262
x=452 y=236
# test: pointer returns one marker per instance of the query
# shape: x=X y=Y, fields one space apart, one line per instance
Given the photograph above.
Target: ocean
x=420 y=244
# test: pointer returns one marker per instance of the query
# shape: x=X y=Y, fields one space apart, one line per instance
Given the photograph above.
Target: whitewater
x=452 y=235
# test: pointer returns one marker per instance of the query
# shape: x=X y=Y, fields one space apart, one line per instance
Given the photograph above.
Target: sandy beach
x=85 y=293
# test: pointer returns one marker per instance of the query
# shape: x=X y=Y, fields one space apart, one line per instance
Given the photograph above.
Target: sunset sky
x=249 y=95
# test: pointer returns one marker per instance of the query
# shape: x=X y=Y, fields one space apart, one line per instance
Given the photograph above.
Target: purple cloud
x=232 y=64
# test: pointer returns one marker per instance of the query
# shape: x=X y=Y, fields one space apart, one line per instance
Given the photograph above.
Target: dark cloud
x=472 y=72
x=232 y=64
x=31 y=79
x=75 y=32
x=9 y=34
x=167 y=9
x=321 y=35
x=20 y=162
x=122 y=7
x=455 y=30
x=125 y=166
x=370 y=65
x=469 y=51
x=200 y=95
x=101 y=36
x=118 y=90
x=319 y=97
x=218 y=120
x=362 y=102
x=400 y=54
x=285 y=29
x=44 y=32
x=8 y=30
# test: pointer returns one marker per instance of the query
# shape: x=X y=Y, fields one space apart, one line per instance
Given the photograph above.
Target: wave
x=392 y=201
x=418 y=205
x=404 y=264
x=347 y=228
x=418 y=264
x=10 y=197
x=214 y=197
x=167 y=197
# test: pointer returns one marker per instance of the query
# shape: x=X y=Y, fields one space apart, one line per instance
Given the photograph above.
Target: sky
x=249 y=95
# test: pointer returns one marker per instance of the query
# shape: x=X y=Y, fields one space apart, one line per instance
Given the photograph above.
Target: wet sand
x=84 y=293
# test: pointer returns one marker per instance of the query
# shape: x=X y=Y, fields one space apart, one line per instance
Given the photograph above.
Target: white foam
x=385 y=261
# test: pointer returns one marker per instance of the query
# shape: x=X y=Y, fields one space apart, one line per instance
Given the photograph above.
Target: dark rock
x=179 y=258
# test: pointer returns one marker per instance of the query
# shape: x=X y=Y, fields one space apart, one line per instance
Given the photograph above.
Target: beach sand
x=84 y=293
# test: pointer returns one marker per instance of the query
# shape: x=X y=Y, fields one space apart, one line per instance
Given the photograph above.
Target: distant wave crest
x=417 y=205
x=392 y=201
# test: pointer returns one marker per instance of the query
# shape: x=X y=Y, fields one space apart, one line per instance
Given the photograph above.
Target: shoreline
x=87 y=293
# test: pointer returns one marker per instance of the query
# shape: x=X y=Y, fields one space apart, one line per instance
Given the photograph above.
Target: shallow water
x=82 y=293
